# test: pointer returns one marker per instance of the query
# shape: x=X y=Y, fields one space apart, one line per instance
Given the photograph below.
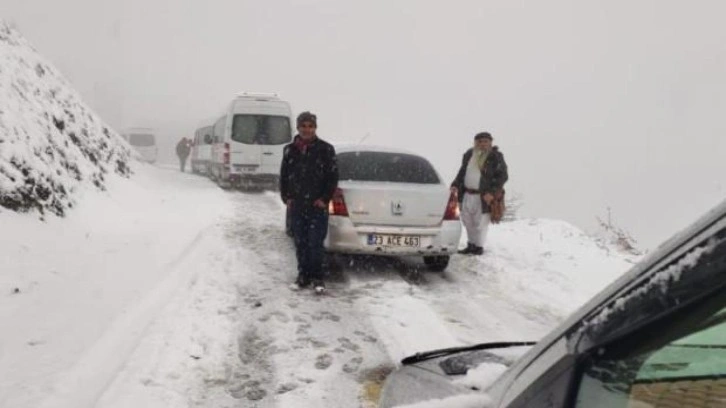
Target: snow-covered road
x=182 y=300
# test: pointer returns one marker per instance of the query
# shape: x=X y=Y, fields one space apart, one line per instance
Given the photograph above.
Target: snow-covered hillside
x=51 y=143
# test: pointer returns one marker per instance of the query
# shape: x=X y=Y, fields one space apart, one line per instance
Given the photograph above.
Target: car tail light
x=452 y=209
x=225 y=154
x=337 y=204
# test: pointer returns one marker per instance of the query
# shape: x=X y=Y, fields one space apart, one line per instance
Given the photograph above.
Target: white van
x=144 y=141
x=248 y=139
x=201 y=154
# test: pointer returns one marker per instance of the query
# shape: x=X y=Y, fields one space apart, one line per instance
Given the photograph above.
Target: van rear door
x=257 y=141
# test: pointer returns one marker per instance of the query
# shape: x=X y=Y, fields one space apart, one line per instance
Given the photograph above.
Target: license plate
x=246 y=169
x=394 y=240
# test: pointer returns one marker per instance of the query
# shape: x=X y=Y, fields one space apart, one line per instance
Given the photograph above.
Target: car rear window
x=390 y=167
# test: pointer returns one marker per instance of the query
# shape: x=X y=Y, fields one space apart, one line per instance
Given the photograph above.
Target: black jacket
x=183 y=148
x=493 y=175
x=310 y=175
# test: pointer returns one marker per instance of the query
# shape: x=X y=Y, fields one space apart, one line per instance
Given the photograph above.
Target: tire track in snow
x=86 y=382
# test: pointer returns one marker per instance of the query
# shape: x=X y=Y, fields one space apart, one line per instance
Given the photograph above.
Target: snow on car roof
x=661 y=280
x=354 y=147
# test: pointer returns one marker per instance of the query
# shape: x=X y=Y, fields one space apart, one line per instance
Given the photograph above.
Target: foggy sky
x=595 y=104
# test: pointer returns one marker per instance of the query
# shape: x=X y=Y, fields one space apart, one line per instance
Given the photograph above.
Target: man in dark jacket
x=480 y=179
x=183 y=148
x=308 y=180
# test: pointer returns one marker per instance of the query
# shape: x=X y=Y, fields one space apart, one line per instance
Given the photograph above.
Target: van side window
x=679 y=360
x=219 y=129
x=207 y=137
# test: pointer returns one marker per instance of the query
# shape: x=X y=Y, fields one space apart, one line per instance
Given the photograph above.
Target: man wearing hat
x=308 y=180
x=479 y=183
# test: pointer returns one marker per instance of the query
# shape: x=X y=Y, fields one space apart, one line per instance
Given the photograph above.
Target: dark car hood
x=436 y=378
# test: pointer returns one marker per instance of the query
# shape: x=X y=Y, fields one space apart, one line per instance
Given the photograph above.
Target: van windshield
x=141 y=139
x=261 y=129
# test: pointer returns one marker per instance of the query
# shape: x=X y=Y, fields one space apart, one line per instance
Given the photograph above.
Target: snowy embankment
x=51 y=143
x=77 y=293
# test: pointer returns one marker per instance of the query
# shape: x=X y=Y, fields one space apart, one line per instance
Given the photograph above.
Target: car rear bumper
x=345 y=237
x=257 y=178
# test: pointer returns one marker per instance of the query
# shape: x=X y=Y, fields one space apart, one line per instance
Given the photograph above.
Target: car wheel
x=437 y=263
x=224 y=184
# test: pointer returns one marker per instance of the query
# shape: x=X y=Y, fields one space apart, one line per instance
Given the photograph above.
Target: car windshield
x=261 y=129
x=141 y=139
x=387 y=167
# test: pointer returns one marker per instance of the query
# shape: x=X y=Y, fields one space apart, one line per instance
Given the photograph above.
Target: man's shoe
x=319 y=288
x=477 y=250
x=467 y=250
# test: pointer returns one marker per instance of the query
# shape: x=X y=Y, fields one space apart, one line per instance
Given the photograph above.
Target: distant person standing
x=308 y=180
x=480 y=188
x=183 y=148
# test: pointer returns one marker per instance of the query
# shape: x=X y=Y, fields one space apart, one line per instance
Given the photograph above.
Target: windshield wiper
x=427 y=355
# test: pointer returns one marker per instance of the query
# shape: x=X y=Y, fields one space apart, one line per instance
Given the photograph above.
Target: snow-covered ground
x=166 y=291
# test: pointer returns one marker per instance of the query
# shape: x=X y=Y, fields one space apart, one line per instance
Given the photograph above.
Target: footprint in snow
x=287 y=387
x=366 y=337
x=316 y=343
x=347 y=344
x=303 y=328
x=352 y=365
x=252 y=390
x=326 y=316
x=323 y=362
x=279 y=316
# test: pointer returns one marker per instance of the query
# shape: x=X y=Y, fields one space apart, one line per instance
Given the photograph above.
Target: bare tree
x=512 y=203
x=618 y=236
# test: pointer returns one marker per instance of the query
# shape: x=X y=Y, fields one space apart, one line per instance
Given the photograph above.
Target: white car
x=392 y=202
